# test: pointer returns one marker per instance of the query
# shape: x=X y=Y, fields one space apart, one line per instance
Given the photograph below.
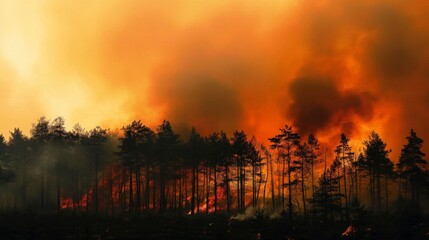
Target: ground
x=73 y=226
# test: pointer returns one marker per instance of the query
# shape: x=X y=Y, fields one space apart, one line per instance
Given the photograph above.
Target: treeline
x=141 y=171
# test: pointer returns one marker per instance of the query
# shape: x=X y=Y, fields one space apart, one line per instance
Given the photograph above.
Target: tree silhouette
x=167 y=147
x=302 y=165
x=225 y=148
x=411 y=166
x=40 y=137
x=326 y=200
x=285 y=143
x=58 y=136
x=345 y=156
x=377 y=164
x=97 y=137
x=240 y=147
x=137 y=169
x=7 y=173
x=256 y=163
x=18 y=149
x=194 y=153
x=313 y=154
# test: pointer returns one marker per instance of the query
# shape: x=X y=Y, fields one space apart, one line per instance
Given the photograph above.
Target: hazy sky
x=323 y=66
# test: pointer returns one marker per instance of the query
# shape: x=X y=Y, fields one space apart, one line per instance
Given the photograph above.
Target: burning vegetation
x=139 y=171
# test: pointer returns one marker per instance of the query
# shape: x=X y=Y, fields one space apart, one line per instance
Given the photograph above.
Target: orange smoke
x=324 y=67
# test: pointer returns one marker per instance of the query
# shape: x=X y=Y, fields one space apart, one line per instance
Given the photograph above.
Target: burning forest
x=226 y=120
x=141 y=173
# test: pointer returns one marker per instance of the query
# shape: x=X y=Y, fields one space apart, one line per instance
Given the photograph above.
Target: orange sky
x=324 y=66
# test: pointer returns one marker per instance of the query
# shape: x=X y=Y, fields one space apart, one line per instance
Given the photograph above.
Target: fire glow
x=325 y=68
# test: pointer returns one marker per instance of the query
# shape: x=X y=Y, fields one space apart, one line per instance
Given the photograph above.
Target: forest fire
x=208 y=206
x=291 y=115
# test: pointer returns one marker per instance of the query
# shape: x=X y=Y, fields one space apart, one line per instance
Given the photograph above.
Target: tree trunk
x=273 y=197
x=193 y=186
x=207 y=188
x=138 y=191
x=378 y=191
x=303 y=189
x=147 y=188
x=387 y=193
x=228 y=197
x=289 y=184
x=215 y=187
x=96 y=182
x=345 y=187
x=130 y=207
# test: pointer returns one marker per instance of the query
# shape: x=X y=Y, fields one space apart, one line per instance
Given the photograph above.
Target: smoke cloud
x=325 y=67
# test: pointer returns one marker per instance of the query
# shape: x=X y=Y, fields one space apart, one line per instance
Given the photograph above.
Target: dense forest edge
x=217 y=183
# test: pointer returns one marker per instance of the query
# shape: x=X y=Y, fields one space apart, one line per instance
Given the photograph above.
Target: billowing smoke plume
x=326 y=67
x=318 y=104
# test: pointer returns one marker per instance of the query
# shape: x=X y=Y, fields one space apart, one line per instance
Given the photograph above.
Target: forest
x=139 y=172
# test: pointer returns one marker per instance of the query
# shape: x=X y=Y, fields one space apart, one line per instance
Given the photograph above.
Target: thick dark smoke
x=201 y=102
x=318 y=104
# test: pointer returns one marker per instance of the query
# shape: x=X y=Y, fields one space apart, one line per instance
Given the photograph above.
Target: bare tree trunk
x=95 y=187
x=273 y=197
x=111 y=203
x=215 y=187
x=130 y=208
x=228 y=197
x=253 y=187
x=345 y=187
x=197 y=189
x=283 y=184
x=207 y=188
x=303 y=189
x=147 y=189
x=193 y=186
x=387 y=193
x=138 y=191
x=378 y=191
x=312 y=185
x=289 y=184
x=238 y=188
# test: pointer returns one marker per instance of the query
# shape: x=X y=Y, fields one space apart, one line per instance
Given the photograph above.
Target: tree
x=7 y=174
x=313 y=154
x=301 y=166
x=255 y=161
x=18 y=150
x=240 y=147
x=58 y=136
x=411 y=165
x=136 y=149
x=219 y=154
x=377 y=164
x=285 y=143
x=194 y=147
x=345 y=156
x=167 y=145
x=40 y=137
x=225 y=148
x=326 y=200
x=97 y=138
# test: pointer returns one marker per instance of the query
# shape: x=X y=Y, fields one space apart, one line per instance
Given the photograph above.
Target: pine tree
x=327 y=196
x=344 y=155
x=377 y=164
x=285 y=143
x=411 y=165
